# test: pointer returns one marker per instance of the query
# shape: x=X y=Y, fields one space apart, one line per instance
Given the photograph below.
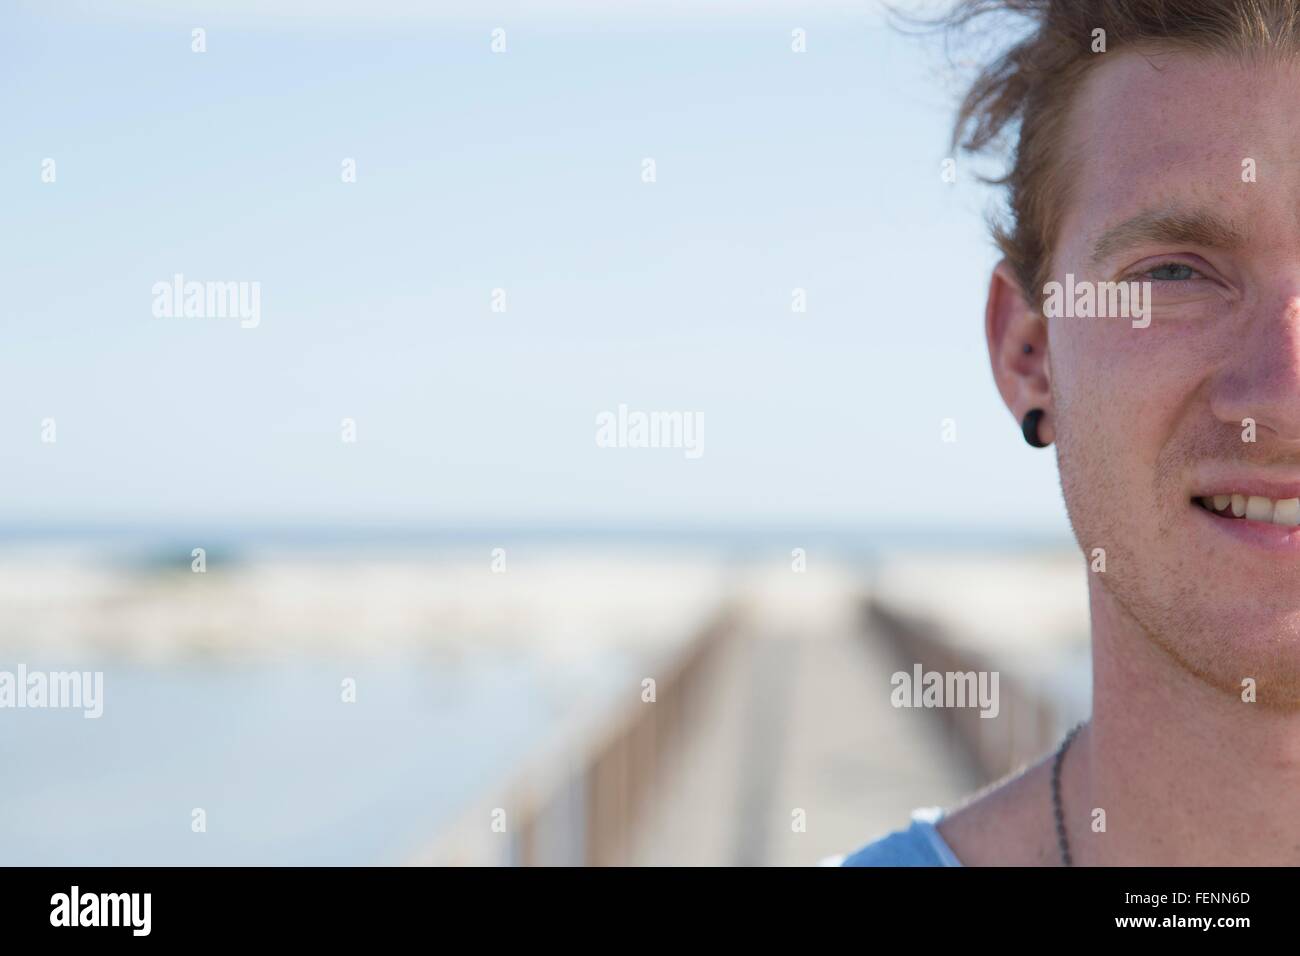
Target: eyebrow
x=1196 y=227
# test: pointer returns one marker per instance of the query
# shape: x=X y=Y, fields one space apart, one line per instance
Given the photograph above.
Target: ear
x=1011 y=323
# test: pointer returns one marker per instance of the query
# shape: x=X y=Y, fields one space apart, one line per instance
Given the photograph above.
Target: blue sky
x=476 y=170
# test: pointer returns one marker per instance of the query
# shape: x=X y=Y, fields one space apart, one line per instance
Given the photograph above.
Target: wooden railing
x=1033 y=712
x=580 y=801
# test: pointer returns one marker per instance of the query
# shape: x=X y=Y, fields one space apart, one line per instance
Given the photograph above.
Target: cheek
x=1121 y=394
x=1100 y=380
x=1142 y=381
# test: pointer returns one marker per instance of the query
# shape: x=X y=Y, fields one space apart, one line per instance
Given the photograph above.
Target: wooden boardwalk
x=773 y=741
x=798 y=722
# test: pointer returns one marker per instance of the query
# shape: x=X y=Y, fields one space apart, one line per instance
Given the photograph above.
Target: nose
x=1262 y=379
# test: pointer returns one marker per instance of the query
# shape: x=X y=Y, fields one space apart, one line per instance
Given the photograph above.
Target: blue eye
x=1173 y=272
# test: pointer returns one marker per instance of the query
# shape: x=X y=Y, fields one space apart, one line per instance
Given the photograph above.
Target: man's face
x=1149 y=420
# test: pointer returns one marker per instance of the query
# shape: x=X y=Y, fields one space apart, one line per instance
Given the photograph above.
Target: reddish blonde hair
x=1031 y=87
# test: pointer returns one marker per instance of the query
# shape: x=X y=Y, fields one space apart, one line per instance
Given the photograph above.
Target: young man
x=1158 y=144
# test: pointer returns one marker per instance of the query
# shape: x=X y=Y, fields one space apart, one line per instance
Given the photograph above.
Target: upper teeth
x=1257 y=508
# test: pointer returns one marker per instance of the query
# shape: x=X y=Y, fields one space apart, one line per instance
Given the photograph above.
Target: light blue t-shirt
x=918 y=845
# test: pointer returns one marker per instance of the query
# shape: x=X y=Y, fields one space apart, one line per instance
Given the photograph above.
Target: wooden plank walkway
x=799 y=719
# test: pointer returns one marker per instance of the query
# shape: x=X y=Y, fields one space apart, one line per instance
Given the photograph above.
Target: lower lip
x=1277 y=538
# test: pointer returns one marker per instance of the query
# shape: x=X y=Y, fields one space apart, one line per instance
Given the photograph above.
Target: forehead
x=1174 y=128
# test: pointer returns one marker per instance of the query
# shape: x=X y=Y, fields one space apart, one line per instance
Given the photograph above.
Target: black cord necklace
x=1061 y=837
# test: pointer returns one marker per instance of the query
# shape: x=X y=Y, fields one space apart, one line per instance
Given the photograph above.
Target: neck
x=1187 y=773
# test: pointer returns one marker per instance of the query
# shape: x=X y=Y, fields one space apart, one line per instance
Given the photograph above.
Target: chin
x=1228 y=651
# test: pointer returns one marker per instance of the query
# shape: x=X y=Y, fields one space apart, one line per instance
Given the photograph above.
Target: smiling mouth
x=1235 y=507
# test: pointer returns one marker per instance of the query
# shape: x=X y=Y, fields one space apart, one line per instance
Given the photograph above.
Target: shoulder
x=919 y=844
x=1009 y=823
